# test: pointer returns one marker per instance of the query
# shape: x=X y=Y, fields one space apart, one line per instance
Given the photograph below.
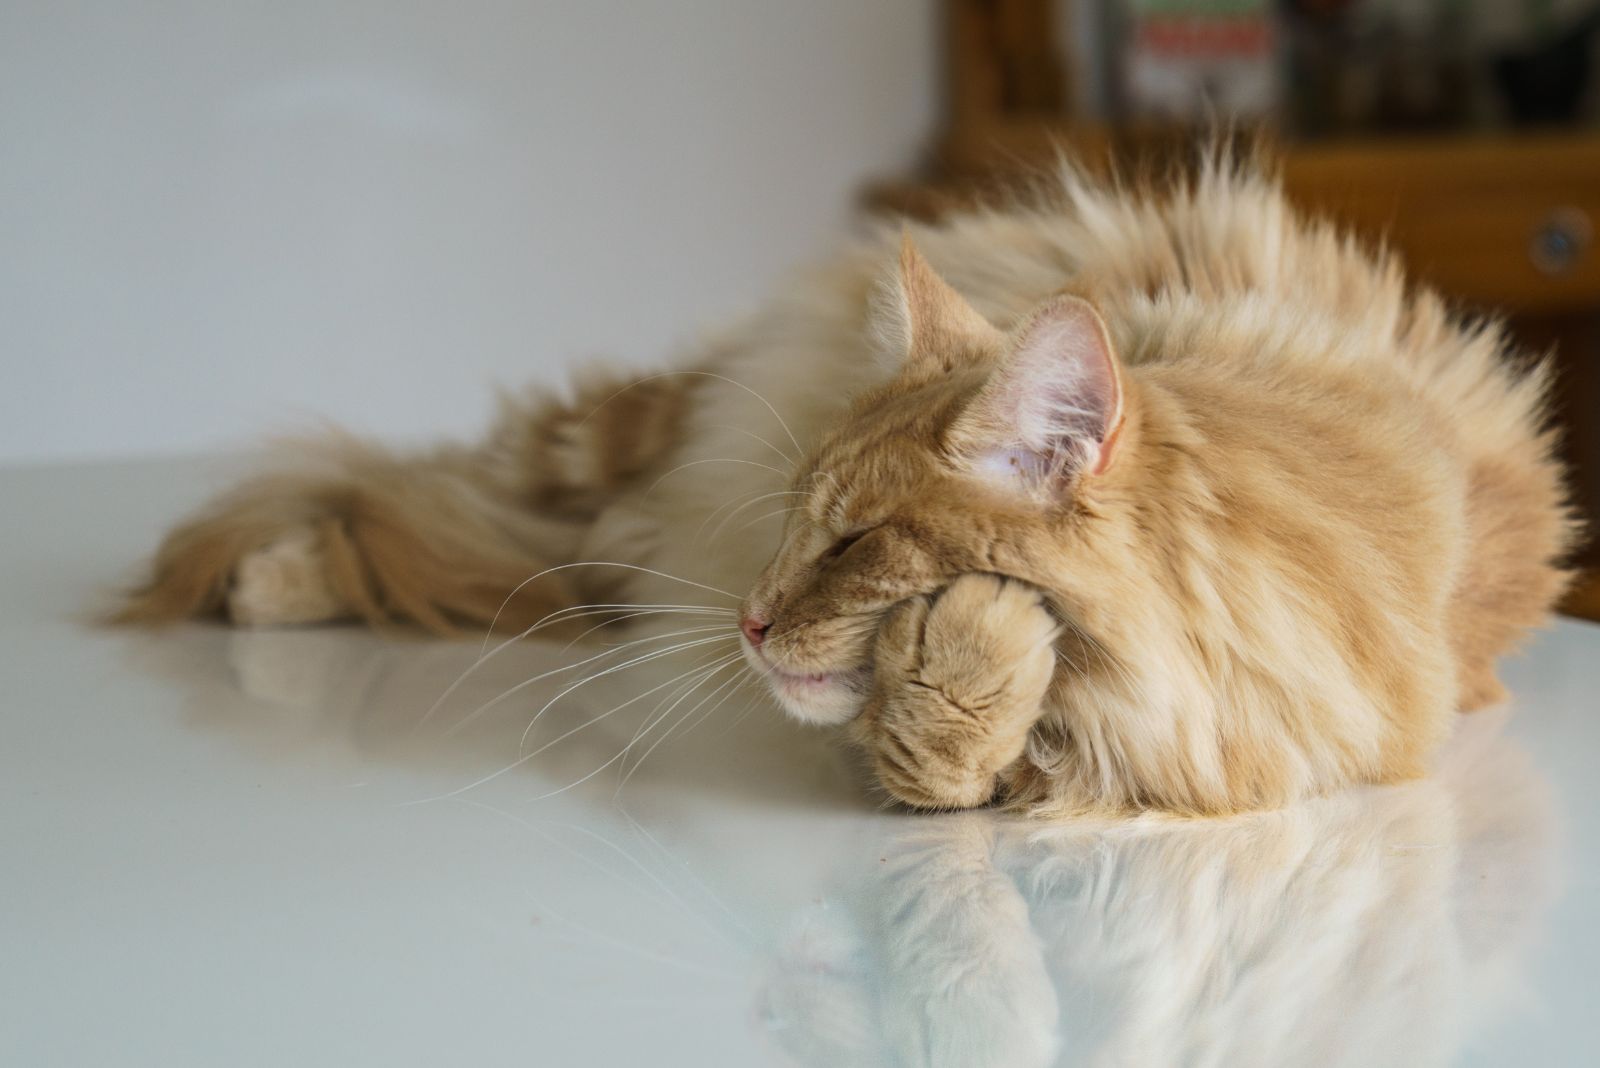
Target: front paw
x=960 y=678
x=983 y=645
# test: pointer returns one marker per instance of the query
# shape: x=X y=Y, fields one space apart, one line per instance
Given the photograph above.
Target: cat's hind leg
x=452 y=539
x=960 y=679
x=348 y=530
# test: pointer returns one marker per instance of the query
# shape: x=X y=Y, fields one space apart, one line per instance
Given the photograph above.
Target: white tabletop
x=225 y=848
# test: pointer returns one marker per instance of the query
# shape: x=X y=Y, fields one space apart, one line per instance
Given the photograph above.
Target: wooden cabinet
x=1505 y=223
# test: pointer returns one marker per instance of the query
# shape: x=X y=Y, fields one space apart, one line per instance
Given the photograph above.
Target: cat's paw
x=983 y=644
x=960 y=679
x=284 y=583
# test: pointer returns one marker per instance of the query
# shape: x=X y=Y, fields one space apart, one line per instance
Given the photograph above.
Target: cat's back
x=1222 y=254
x=1217 y=284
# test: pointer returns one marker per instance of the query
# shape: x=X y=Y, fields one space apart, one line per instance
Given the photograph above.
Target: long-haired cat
x=1136 y=498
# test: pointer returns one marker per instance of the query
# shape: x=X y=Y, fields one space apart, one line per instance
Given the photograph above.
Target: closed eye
x=840 y=547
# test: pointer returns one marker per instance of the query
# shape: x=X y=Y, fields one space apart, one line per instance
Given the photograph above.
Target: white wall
x=220 y=219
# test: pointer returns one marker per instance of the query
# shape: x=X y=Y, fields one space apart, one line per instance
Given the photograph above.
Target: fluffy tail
x=344 y=529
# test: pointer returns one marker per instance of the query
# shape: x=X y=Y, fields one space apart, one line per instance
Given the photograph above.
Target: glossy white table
x=214 y=854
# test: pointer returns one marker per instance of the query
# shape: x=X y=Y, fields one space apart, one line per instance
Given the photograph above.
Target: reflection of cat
x=1372 y=928
x=289 y=690
x=438 y=708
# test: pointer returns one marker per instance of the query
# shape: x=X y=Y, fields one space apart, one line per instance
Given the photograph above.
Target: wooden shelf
x=1471 y=216
x=1584 y=600
x=1468 y=215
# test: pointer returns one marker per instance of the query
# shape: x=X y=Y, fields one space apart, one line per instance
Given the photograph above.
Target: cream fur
x=1280 y=553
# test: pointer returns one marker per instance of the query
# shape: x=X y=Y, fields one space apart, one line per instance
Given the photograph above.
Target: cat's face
x=881 y=520
x=967 y=461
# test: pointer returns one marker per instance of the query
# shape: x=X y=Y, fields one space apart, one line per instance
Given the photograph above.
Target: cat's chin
x=823 y=699
x=825 y=705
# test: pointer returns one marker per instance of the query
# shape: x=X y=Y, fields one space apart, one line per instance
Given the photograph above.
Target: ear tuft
x=1053 y=411
x=925 y=326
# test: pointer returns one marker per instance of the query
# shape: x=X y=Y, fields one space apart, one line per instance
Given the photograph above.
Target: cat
x=1136 y=497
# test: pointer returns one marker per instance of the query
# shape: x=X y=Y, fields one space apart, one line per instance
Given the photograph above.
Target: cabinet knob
x=1561 y=241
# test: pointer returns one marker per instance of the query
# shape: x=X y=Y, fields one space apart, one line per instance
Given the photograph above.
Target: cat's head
x=981 y=453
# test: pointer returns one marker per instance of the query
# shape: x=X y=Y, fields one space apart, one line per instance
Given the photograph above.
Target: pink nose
x=755 y=631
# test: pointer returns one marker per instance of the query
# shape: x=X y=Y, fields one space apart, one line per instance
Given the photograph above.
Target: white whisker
x=622 y=753
x=691 y=874
x=682 y=690
x=525 y=683
x=736 y=681
x=654 y=654
x=670 y=894
x=544 y=909
x=708 y=460
x=704 y=374
x=523 y=759
x=483 y=651
x=769 y=515
x=592 y=563
x=661 y=713
x=748 y=503
x=713 y=513
x=657 y=713
x=561 y=615
x=715 y=534
x=744 y=714
x=790 y=460
x=623 y=619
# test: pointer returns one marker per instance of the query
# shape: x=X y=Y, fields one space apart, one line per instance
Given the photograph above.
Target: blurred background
x=224 y=220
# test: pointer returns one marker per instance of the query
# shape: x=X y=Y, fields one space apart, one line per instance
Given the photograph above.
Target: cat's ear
x=1052 y=412
x=925 y=328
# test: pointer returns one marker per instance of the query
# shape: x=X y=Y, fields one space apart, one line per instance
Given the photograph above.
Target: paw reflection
x=1383 y=926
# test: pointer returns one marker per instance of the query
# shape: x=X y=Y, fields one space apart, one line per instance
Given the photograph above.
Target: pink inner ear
x=1060 y=389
